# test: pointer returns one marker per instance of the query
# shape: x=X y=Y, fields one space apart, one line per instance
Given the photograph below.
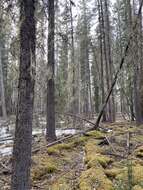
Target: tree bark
x=50 y=129
x=74 y=101
x=101 y=58
x=23 y=133
x=105 y=57
x=3 y=103
x=109 y=56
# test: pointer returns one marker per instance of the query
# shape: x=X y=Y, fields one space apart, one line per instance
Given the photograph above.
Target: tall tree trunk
x=87 y=102
x=106 y=57
x=140 y=45
x=74 y=102
x=50 y=129
x=3 y=103
x=101 y=58
x=136 y=60
x=109 y=56
x=122 y=83
x=23 y=133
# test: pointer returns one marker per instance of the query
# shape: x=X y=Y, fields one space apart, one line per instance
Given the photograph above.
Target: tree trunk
x=74 y=102
x=23 y=133
x=105 y=58
x=109 y=56
x=50 y=129
x=136 y=60
x=3 y=103
x=101 y=57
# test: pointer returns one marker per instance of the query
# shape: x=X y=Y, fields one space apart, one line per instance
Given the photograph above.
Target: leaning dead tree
x=119 y=69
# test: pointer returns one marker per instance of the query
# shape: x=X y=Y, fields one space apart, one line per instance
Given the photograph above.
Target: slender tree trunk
x=23 y=133
x=122 y=85
x=109 y=56
x=50 y=130
x=3 y=103
x=136 y=60
x=106 y=57
x=101 y=58
x=74 y=102
x=140 y=44
x=86 y=62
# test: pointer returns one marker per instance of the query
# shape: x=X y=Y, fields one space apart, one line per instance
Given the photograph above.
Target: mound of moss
x=60 y=184
x=137 y=175
x=94 y=155
x=137 y=187
x=94 y=178
x=43 y=165
x=96 y=134
x=58 y=148
x=113 y=172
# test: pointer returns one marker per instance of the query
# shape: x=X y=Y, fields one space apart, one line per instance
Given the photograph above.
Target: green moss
x=56 y=149
x=43 y=165
x=94 y=158
x=63 y=146
x=80 y=141
x=137 y=138
x=94 y=178
x=112 y=173
x=137 y=175
x=52 y=150
x=96 y=134
x=137 y=187
x=91 y=146
x=41 y=171
x=60 y=184
x=94 y=155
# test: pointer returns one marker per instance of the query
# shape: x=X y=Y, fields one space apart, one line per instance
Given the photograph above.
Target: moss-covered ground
x=89 y=162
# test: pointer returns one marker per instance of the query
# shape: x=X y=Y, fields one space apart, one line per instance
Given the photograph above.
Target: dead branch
x=59 y=141
x=117 y=155
x=6 y=139
x=77 y=116
x=110 y=144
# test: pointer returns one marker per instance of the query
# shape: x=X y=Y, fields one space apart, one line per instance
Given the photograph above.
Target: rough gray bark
x=50 y=129
x=96 y=77
x=74 y=102
x=3 y=103
x=85 y=68
x=21 y=161
x=101 y=58
x=109 y=56
x=140 y=41
x=105 y=57
x=136 y=60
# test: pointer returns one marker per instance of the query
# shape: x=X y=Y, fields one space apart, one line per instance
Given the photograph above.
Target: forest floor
x=93 y=161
